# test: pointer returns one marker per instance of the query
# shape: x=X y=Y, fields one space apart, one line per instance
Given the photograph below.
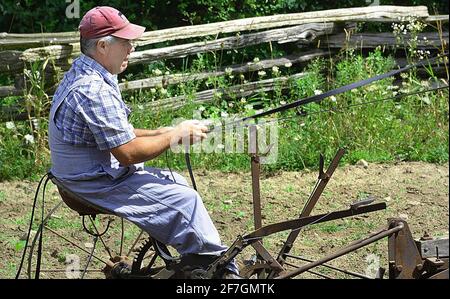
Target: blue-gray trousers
x=170 y=211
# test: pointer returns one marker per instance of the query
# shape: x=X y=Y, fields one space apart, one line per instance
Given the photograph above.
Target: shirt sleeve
x=106 y=116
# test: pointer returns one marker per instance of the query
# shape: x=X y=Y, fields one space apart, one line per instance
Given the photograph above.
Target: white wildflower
x=243 y=100
x=10 y=125
x=228 y=70
x=261 y=73
x=282 y=102
x=333 y=99
x=390 y=87
x=275 y=69
x=317 y=92
x=152 y=90
x=230 y=105
x=256 y=59
x=29 y=139
x=163 y=91
x=425 y=83
x=157 y=72
x=288 y=64
x=241 y=76
x=220 y=146
x=167 y=73
x=27 y=73
x=201 y=108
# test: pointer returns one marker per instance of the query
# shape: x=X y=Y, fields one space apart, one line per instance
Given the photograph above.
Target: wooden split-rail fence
x=316 y=34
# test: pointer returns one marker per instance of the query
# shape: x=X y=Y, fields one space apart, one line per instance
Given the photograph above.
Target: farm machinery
x=407 y=258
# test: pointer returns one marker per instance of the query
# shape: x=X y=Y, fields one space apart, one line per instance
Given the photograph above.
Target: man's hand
x=149 y=144
x=188 y=132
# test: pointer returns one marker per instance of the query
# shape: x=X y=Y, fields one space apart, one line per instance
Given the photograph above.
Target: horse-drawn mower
x=407 y=258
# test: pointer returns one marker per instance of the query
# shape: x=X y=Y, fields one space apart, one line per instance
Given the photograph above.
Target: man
x=98 y=154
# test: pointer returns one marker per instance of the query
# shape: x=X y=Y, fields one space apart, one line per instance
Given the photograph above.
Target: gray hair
x=87 y=46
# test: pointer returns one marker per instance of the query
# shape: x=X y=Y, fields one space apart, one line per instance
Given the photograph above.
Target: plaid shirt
x=94 y=113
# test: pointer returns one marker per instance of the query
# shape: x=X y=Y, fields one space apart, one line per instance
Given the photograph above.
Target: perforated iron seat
x=76 y=202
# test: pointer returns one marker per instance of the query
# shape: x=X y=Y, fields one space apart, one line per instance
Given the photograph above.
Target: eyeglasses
x=127 y=42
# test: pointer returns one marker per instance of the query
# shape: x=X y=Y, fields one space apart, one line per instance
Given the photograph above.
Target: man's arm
x=147 y=147
x=144 y=132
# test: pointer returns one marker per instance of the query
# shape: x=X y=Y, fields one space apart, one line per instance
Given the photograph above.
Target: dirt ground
x=417 y=192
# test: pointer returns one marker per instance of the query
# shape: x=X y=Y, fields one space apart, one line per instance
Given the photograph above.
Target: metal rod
x=309 y=271
x=109 y=263
x=266 y=256
x=255 y=170
x=302 y=222
x=36 y=236
x=135 y=242
x=101 y=239
x=90 y=257
x=343 y=251
x=64 y=270
x=321 y=183
x=327 y=266
x=121 y=237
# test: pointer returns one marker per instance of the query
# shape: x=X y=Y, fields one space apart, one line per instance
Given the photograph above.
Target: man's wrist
x=164 y=130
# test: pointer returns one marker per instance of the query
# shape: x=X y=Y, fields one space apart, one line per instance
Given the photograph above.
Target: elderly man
x=97 y=154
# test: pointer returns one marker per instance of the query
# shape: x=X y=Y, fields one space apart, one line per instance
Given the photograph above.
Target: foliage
x=49 y=16
x=412 y=128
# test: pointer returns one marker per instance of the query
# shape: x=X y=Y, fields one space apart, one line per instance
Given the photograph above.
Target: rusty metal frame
x=405 y=260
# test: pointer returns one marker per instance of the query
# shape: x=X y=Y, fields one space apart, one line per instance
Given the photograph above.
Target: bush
x=49 y=16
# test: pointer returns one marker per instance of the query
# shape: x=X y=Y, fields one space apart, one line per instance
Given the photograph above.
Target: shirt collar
x=92 y=63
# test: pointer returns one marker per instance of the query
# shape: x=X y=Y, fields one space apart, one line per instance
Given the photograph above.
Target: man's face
x=118 y=54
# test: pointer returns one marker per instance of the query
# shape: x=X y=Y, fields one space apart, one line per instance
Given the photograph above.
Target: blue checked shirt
x=94 y=114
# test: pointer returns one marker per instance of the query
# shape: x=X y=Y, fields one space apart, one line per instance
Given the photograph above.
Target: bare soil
x=415 y=191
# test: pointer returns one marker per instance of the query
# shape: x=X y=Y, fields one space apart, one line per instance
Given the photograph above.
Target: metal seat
x=76 y=202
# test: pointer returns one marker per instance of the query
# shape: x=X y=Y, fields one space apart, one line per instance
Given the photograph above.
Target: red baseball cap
x=104 y=20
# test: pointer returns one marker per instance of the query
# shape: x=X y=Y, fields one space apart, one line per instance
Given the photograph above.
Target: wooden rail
x=381 y=13
x=318 y=33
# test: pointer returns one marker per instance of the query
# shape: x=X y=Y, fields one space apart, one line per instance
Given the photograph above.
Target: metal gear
x=150 y=269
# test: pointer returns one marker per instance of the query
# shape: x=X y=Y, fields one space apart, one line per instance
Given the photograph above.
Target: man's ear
x=102 y=46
